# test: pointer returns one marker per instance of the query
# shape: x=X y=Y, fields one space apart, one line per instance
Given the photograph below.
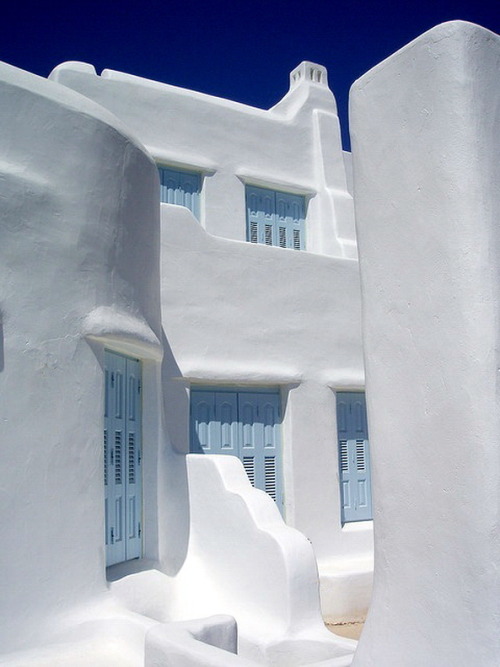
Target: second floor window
x=181 y=187
x=275 y=218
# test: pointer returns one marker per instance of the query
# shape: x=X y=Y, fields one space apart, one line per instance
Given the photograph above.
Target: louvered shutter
x=114 y=438
x=354 y=457
x=250 y=438
x=122 y=458
x=269 y=414
x=244 y=424
x=275 y=218
x=260 y=215
x=133 y=460
x=290 y=215
x=189 y=190
x=168 y=186
x=260 y=446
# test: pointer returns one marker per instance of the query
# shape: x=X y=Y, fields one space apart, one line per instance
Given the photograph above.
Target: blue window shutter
x=260 y=215
x=122 y=457
x=354 y=457
x=202 y=420
x=189 y=192
x=226 y=423
x=271 y=459
x=275 y=218
x=114 y=437
x=214 y=422
x=169 y=180
x=244 y=424
x=260 y=448
x=181 y=187
x=250 y=440
x=133 y=459
x=290 y=215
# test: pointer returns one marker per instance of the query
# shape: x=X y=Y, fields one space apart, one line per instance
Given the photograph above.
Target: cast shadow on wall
x=176 y=516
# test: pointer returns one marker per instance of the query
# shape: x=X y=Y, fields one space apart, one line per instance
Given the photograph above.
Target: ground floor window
x=122 y=457
x=243 y=423
x=354 y=457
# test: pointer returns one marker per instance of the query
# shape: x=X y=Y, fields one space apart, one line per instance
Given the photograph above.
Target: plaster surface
x=71 y=243
x=427 y=221
x=300 y=327
x=295 y=146
x=277 y=598
x=252 y=566
x=206 y=642
x=80 y=273
x=294 y=332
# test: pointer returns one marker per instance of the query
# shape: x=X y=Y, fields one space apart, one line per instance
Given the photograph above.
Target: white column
x=312 y=497
x=426 y=146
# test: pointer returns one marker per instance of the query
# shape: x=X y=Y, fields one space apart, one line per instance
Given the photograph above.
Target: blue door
x=245 y=424
x=354 y=457
x=122 y=457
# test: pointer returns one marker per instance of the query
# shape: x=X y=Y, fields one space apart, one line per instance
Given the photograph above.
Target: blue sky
x=239 y=50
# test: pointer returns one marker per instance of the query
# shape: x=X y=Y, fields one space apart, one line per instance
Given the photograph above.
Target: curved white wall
x=79 y=235
x=80 y=272
x=254 y=566
x=430 y=258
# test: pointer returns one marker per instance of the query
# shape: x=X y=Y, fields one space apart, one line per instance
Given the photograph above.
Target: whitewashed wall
x=79 y=257
x=79 y=224
x=243 y=314
x=427 y=219
x=295 y=146
x=238 y=313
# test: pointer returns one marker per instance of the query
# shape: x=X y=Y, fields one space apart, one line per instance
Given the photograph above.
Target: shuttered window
x=122 y=457
x=275 y=218
x=181 y=187
x=354 y=457
x=245 y=424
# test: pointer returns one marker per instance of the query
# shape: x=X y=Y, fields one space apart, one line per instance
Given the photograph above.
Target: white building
x=252 y=328
x=102 y=354
x=227 y=320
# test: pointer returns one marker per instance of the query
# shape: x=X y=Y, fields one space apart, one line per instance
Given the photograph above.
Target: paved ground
x=350 y=630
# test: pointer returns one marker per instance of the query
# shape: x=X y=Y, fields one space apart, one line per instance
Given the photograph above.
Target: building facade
x=261 y=301
x=181 y=367
x=123 y=322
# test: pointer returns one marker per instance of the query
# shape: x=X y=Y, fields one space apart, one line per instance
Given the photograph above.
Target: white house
x=261 y=301
x=96 y=471
x=179 y=280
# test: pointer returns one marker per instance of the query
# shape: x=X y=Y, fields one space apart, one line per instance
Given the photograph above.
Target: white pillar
x=426 y=146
